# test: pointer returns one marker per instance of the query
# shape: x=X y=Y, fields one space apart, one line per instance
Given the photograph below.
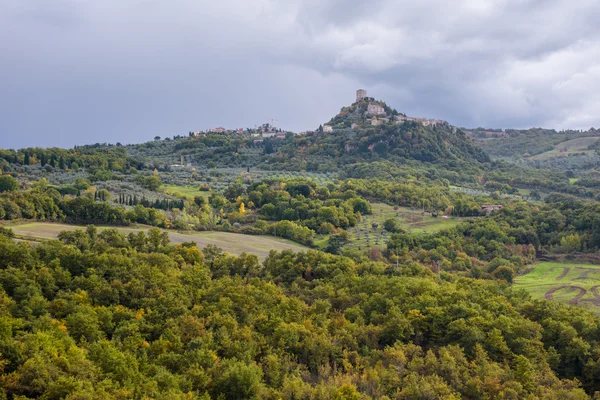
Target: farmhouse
x=327 y=128
x=488 y=209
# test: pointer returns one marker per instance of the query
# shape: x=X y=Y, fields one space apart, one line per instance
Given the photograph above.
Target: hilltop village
x=366 y=111
x=363 y=113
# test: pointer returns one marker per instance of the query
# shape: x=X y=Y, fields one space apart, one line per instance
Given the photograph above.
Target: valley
x=379 y=256
x=299 y=200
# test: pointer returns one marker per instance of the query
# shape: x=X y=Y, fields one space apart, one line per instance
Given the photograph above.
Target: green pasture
x=187 y=191
x=578 y=145
x=573 y=283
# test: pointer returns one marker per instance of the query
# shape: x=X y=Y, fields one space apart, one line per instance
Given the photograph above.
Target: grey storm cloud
x=75 y=71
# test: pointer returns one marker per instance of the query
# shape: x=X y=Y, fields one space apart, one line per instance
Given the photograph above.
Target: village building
x=327 y=128
x=426 y=122
x=488 y=209
x=375 y=109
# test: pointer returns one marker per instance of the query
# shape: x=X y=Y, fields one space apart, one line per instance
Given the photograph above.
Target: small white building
x=327 y=128
x=488 y=209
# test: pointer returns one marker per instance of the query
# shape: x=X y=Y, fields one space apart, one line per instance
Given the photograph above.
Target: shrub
x=8 y=184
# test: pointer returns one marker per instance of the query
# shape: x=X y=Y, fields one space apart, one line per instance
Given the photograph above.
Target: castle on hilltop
x=360 y=94
x=371 y=112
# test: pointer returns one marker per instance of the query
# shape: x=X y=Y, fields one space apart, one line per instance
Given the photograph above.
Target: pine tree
x=27 y=159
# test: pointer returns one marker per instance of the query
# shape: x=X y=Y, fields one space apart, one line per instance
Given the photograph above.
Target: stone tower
x=360 y=94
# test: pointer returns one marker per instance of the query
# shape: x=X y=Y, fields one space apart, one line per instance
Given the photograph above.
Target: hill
x=516 y=144
x=573 y=147
x=358 y=133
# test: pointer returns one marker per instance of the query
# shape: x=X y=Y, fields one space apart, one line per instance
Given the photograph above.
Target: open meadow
x=188 y=191
x=365 y=234
x=233 y=243
x=572 y=283
x=579 y=145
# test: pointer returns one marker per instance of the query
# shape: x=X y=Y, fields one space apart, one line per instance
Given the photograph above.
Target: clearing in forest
x=365 y=235
x=579 y=145
x=233 y=243
x=574 y=283
x=188 y=191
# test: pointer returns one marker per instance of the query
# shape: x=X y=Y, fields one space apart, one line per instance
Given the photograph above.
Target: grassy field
x=188 y=191
x=411 y=221
x=524 y=192
x=578 y=145
x=234 y=243
x=575 y=283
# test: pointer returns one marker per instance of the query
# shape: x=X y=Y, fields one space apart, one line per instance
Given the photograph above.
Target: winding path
x=564 y=273
x=550 y=293
x=594 y=290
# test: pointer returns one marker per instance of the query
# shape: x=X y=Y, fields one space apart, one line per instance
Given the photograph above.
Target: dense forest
x=102 y=316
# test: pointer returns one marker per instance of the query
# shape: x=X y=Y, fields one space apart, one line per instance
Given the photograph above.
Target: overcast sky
x=83 y=71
